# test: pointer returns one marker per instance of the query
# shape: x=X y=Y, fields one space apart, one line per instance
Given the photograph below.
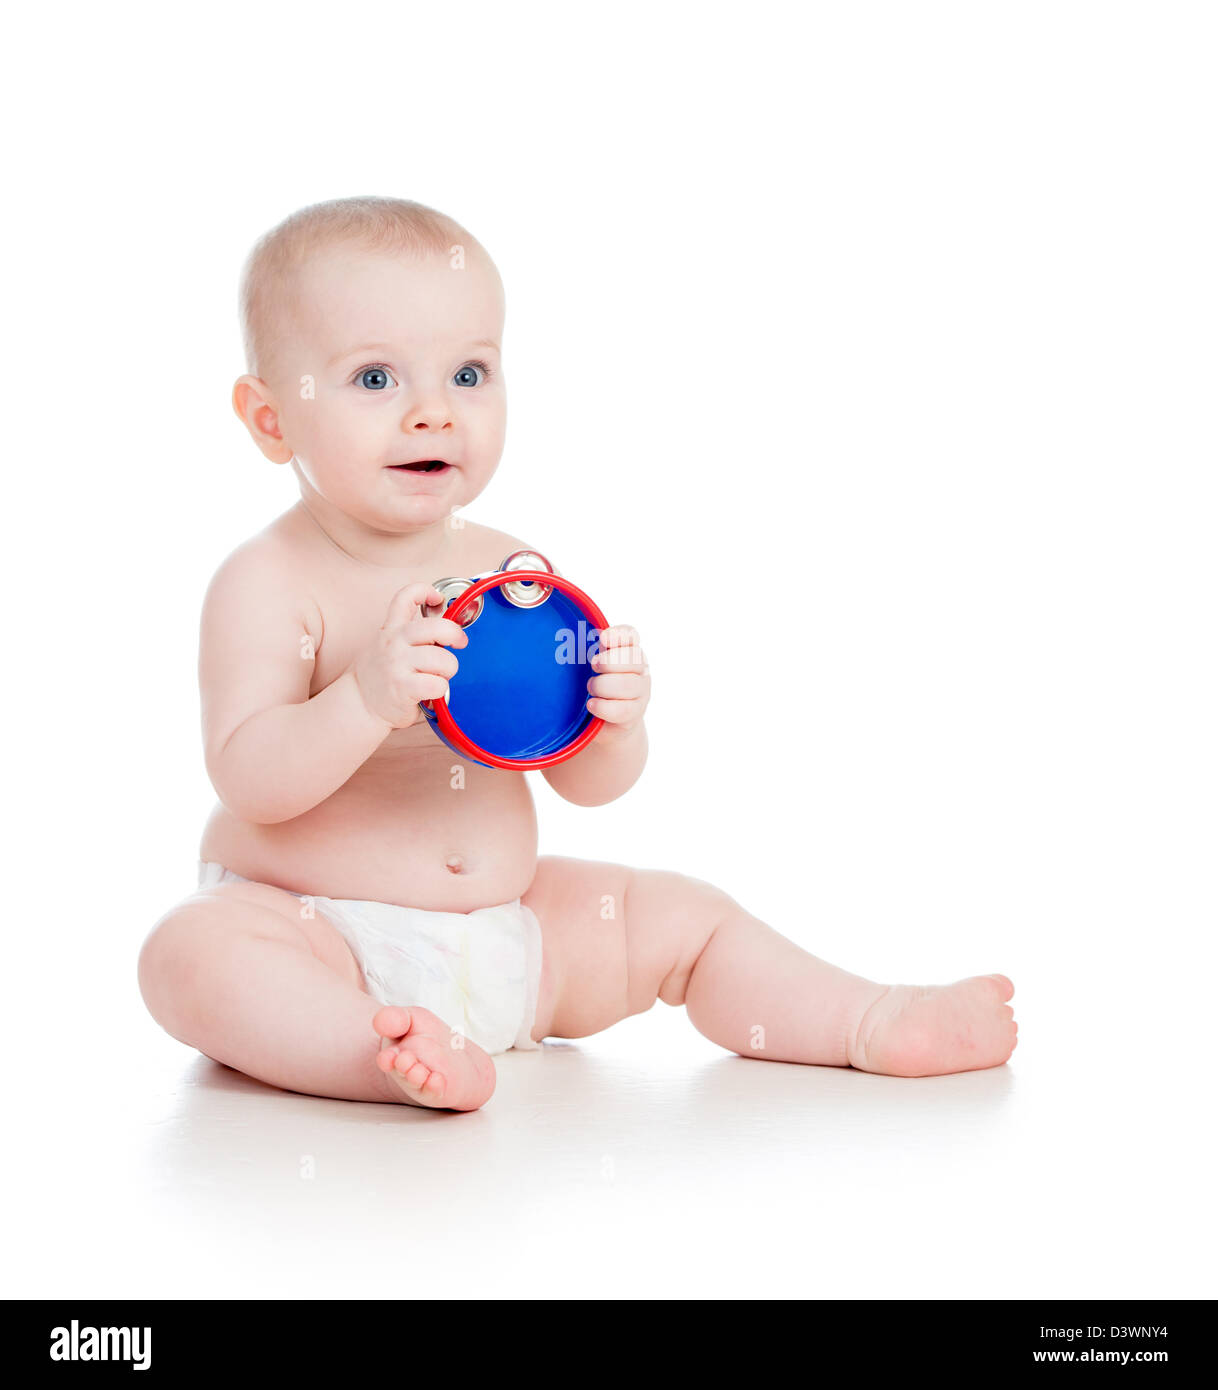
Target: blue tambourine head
x=519 y=698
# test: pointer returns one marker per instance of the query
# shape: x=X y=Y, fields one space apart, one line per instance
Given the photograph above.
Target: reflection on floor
x=645 y=1162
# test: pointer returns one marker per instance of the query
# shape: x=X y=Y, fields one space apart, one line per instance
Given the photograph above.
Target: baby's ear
x=258 y=412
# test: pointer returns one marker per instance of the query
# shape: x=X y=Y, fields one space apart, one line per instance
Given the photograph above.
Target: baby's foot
x=418 y=1055
x=929 y=1030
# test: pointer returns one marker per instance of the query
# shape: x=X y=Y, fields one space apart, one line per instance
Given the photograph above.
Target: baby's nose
x=427 y=415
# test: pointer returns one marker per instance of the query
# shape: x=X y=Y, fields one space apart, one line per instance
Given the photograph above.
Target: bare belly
x=399 y=831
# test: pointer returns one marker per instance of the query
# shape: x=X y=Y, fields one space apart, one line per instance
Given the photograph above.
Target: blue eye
x=374 y=378
x=472 y=374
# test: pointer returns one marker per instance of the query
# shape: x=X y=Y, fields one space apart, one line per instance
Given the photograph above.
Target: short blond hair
x=393 y=225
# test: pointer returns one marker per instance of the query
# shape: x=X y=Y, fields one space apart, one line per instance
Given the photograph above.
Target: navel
x=455 y=864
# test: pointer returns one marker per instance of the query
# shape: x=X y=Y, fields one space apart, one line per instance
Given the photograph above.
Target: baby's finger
x=619 y=648
x=405 y=605
x=621 y=635
x=426 y=686
x=619 y=660
x=435 y=661
x=424 y=631
x=623 y=686
x=615 y=711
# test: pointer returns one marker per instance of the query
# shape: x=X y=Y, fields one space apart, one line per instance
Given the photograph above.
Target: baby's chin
x=409 y=514
x=397 y=501
x=412 y=508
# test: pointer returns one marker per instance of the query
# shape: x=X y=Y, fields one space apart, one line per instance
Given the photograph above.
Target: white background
x=863 y=357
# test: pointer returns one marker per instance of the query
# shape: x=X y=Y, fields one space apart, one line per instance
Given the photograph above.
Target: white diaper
x=479 y=971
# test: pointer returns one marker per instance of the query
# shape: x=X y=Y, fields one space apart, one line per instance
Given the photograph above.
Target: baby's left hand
x=623 y=690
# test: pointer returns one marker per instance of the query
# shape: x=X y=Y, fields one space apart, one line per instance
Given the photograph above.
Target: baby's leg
x=618 y=938
x=237 y=972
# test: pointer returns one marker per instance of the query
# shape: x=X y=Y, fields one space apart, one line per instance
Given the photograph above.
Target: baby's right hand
x=403 y=664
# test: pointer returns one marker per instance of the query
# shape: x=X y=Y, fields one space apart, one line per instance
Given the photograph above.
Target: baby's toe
x=415 y=1076
x=392 y=1021
x=404 y=1061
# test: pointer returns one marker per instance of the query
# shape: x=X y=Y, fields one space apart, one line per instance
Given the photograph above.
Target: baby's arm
x=619 y=692
x=272 y=752
x=606 y=769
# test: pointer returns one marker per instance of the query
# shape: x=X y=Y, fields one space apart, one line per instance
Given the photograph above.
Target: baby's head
x=373 y=330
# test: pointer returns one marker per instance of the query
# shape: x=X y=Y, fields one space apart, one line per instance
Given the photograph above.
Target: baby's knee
x=670 y=918
x=160 y=959
x=694 y=902
x=169 y=960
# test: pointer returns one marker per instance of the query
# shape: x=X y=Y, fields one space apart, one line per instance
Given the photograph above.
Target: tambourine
x=519 y=698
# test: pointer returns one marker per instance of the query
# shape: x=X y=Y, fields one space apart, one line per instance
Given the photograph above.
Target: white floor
x=642 y=1163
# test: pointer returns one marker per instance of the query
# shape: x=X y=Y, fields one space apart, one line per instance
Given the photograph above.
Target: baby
x=372 y=920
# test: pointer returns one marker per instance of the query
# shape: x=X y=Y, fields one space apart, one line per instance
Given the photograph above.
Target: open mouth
x=421 y=466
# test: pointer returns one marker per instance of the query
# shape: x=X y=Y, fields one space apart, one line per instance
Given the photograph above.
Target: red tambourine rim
x=444 y=719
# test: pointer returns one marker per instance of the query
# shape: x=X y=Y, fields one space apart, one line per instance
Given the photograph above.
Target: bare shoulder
x=267 y=571
x=488 y=547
